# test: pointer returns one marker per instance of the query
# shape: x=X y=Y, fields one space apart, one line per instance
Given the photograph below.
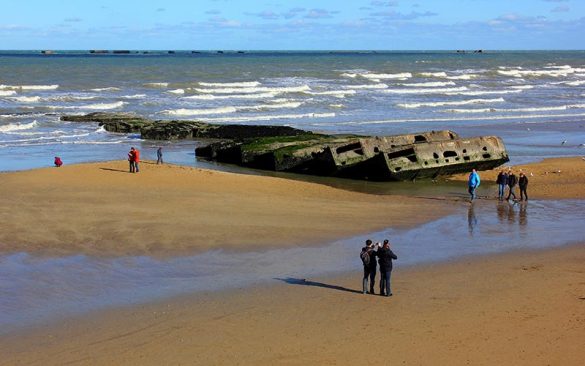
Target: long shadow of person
x=304 y=282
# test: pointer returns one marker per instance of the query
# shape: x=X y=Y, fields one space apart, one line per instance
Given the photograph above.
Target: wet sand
x=101 y=209
x=520 y=308
x=549 y=179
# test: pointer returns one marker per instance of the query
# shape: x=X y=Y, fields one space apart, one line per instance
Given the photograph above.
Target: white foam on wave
x=333 y=93
x=268 y=118
x=366 y=86
x=233 y=96
x=536 y=73
x=349 y=75
x=97 y=106
x=485 y=92
x=425 y=90
x=232 y=109
x=110 y=88
x=518 y=110
x=440 y=74
x=243 y=84
x=5 y=93
x=30 y=87
x=460 y=119
x=156 y=85
x=522 y=87
x=199 y=112
x=451 y=103
x=70 y=97
x=430 y=84
x=18 y=126
x=336 y=106
x=252 y=90
x=134 y=96
x=574 y=83
x=402 y=75
x=462 y=77
x=176 y=91
x=25 y=99
x=285 y=105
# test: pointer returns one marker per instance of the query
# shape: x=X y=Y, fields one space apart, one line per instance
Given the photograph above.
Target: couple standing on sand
x=385 y=257
x=134 y=160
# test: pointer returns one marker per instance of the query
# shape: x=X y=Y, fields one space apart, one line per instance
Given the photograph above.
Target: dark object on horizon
x=195 y=52
x=241 y=52
x=121 y=52
x=219 y=51
x=478 y=51
x=99 y=51
x=47 y=52
x=171 y=52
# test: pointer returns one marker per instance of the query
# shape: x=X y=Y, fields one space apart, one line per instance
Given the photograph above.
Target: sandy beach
x=552 y=178
x=101 y=209
x=522 y=308
x=515 y=308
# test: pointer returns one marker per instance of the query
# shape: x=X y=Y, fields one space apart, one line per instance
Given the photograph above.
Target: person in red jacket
x=58 y=161
x=136 y=160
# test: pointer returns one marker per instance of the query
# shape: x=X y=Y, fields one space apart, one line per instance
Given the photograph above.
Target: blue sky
x=293 y=25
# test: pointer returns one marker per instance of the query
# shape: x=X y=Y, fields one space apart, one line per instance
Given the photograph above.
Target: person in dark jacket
x=369 y=252
x=159 y=155
x=502 y=182
x=512 y=181
x=523 y=184
x=385 y=257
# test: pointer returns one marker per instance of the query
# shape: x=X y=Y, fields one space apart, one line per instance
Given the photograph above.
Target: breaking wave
x=24 y=99
x=372 y=76
x=199 y=112
x=441 y=74
x=18 y=126
x=30 y=87
x=366 y=86
x=156 y=85
x=430 y=84
x=232 y=96
x=268 y=118
x=176 y=91
x=485 y=92
x=425 y=90
x=516 y=110
x=289 y=89
x=5 y=93
x=111 y=88
x=243 y=84
x=453 y=103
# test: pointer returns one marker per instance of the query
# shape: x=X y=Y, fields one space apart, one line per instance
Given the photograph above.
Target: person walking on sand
x=159 y=156
x=502 y=182
x=386 y=255
x=512 y=181
x=368 y=257
x=472 y=183
x=58 y=162
x=523 y=184
x=131 y=160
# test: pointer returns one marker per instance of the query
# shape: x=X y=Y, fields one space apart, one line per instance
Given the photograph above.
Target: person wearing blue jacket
x=473 y=183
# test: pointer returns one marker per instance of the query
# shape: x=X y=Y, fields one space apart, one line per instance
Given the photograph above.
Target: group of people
x=508 y=179
x=505 y=180
x=384 y=256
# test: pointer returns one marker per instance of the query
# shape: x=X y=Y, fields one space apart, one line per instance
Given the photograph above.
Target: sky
x=292 y=25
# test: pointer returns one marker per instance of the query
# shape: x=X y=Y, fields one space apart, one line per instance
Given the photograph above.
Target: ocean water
x=534 y=100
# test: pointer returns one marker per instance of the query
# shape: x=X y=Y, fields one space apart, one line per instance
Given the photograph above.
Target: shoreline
x=429 y=316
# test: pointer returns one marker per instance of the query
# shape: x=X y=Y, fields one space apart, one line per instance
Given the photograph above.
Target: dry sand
x=549 y=179
x=101 y=209
x=511 y=309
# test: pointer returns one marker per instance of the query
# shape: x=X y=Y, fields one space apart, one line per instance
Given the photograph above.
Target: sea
x=534 y=100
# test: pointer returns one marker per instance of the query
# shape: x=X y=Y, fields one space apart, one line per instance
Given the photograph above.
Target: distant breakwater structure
x=424 y=155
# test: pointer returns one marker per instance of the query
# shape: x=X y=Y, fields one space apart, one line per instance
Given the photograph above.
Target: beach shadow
x=304 y=282
x=115 y=170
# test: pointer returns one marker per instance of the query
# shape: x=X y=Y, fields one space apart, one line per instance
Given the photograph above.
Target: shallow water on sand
x=34 y=290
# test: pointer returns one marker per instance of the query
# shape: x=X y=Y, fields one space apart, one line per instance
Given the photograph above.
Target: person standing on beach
x=512 y=180
x=159 y=156
x=502 y=182
x=136 y=160
x=523 y=184
x=386 y=255
x=368 y=257
x=473 y=182
x=58 y=162
x=131 y=159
